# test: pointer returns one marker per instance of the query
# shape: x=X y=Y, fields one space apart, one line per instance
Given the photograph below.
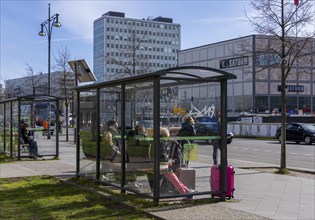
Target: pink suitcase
x=215 y=180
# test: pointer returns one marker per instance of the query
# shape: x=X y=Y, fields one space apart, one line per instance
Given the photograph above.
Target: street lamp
x=51 y=22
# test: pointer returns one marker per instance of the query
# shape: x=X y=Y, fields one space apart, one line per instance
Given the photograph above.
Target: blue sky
x=202 y=22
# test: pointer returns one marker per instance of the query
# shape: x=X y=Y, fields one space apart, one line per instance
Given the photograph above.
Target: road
x=267 y=151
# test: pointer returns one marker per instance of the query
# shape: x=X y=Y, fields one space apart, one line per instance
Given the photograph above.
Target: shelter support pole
x=11 y=130
x=57 y=126
x=19 y=130
x=223 y=142
x=123 y=132
x=98 y=147
x=77 y=134
x=156 y=135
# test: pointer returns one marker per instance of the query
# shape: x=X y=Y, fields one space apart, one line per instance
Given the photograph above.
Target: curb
x=275 y=167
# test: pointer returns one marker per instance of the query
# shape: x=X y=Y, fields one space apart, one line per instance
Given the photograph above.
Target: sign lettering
x=292 y=88
x=234 y=62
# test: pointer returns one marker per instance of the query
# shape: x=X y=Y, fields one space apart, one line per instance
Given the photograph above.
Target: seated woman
x=29 y=140
x=137 y=149
x=170 y=175
x=138 y=133
x=109 y=136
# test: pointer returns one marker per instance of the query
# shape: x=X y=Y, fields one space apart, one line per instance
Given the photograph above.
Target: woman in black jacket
x=187 y=130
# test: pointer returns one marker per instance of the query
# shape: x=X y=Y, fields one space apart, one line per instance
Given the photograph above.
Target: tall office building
x=127 y=46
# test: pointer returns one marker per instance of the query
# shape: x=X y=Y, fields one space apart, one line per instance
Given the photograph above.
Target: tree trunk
x=67 y=120
x=283 y=164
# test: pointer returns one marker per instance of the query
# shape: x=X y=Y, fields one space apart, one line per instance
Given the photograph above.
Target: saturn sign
x=234 y=62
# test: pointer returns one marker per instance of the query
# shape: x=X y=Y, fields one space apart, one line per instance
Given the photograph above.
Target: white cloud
x=78 y=16
x=217 y=20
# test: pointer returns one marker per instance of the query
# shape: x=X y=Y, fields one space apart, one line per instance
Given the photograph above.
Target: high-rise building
x=127 y=46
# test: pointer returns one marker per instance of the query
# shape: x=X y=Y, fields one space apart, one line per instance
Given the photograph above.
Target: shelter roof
x=33 y=98
x=177 y=75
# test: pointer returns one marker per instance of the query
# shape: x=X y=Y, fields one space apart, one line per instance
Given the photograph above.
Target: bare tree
x=33 y=77
x=287 y=24
x=132 y=60
x=65 y=81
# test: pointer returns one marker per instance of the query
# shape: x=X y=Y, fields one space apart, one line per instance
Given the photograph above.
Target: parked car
x=211 y=129
x=298 y=132
x=145 y=123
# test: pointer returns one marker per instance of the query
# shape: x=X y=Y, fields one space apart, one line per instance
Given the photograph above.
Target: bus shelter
x=155 y=103
x=41 y=114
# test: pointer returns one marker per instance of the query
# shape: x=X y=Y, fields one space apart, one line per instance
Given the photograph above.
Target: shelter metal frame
x=157 y=80
x=30 y=99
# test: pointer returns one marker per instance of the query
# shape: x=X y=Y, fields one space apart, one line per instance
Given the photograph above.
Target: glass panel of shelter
x=36 y=116
x=191 y=155
x=139 y=137
x=2 y=128
x=87 y=133
x=15 y=127
x=195 y=152
x=8 y=128
x=110 y=135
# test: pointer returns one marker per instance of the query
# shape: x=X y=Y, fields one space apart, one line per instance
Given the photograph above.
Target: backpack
x=175 y=151
x=187 y=130
x=164 y=148
x=176 y=154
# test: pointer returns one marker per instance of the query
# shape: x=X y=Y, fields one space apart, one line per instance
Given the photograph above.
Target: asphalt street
x=266 y=151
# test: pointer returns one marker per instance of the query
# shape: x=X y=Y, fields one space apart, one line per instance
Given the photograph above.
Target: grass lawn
x=6 y=159
x=44 y=197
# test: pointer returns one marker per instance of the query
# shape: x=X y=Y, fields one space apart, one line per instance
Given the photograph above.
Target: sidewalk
x=258 y=195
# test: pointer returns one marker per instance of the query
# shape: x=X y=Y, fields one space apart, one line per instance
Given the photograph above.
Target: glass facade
x=256 y=87
x=126 y=46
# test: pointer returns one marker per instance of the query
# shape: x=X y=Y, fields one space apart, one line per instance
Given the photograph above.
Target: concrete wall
x=253 y=129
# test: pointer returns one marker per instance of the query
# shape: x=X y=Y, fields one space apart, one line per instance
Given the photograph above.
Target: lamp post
x=51 y=22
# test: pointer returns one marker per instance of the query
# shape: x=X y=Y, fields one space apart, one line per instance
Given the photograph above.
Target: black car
x=210 y=129
x=298 y=132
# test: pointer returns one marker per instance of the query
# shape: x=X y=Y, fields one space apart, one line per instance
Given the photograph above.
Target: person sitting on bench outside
x=109 y=136
x=170 y=175
x=29 y=140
